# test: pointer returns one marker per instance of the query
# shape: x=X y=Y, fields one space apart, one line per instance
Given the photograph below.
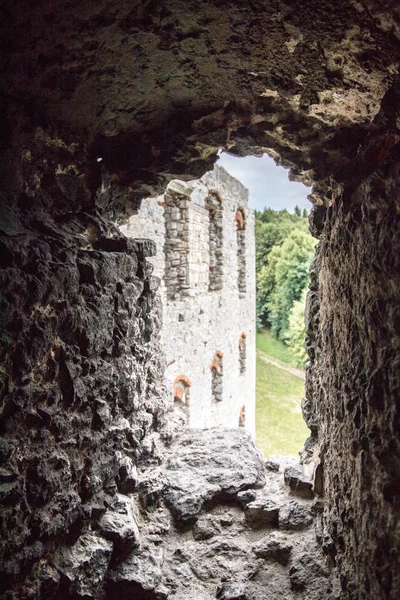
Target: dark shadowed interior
x=103 y=103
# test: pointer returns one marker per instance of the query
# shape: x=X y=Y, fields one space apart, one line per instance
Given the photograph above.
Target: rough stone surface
x=81 y=379
x=304 y=83
x=138 y=576
x=294 y=516
x=119 y=524
x=245 y=497
x=305 y=572
x=275 y=546
x=205 y=528
x=222 y=555
x=84 y=565
x=358 y=464
x=261 y=513
x=242 y=561
x=298 y=481
x=210 y=465
x=103 y=103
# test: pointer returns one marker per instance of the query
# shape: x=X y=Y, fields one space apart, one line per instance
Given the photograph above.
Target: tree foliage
x=272 y=227
x=295 y=334
x=284 y=250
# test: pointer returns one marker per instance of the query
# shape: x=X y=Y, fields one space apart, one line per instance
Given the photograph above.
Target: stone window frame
x=242 y=353
x=216 y=254
x=176 y=276
x=181 y=389
x=240 y=220
x=242 y=416
x=216 y=368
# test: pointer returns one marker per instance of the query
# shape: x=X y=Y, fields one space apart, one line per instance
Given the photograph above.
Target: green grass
x=275 y=348
x=280 y=428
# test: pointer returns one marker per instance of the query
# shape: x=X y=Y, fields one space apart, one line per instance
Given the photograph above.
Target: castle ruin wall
x=199 y=321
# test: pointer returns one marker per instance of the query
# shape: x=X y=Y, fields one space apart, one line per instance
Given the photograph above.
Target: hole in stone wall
x=242 y=416
x=204 y=232
x=196 y=227
x=181 y=389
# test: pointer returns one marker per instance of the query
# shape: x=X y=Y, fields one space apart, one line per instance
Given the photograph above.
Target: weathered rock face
x=355 y=399
x=155 y=91
x=198 y=540
x=104 y=103
x=79 y=326
x=210 y=465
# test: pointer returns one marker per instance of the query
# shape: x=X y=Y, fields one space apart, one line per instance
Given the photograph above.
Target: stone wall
x=82 y=400
x=353 y=384
x=102 y=104
x=176 y=244
x=214 y=310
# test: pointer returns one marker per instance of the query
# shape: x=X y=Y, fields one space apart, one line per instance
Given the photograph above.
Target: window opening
x=240 y=219
x=181 y=389
x=242 y=353
x=242 y=416
x=176 y=246
x=216 y=376
x=283 y=249
x=214 y=206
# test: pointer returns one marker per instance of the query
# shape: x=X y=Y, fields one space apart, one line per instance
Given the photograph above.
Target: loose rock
x=262 y=512
x=275 y=546
x=205 y=528
x=118 y=523
x=305 y=573
x=294 y=516
x=85 y=564
x=298 y=482
x=139 y=574
x=210 y=465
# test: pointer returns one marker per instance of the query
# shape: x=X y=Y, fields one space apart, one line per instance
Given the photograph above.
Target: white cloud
x=267 y=183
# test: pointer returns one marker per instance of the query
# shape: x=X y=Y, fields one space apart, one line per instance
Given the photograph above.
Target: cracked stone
x=118 y=523
x=298 y=482
x=85 y=564
x=275 y=546
x=210 y=465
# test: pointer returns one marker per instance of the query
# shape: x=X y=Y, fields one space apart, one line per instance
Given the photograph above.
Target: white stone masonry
x=204 y=233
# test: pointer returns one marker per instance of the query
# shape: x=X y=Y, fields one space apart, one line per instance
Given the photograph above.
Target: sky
x=267 y=183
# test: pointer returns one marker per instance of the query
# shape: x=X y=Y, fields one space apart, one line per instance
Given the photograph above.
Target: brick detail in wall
x=216 y=376
x=176 y=245
x=242 y=416
x=181 y=389
x=240 y=219
x=214 y=206
x=242 y=353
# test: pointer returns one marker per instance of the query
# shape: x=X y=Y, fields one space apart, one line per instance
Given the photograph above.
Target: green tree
x=267 y=236
x=297 y=211
x=273 y=227
x=266 y=283
x=282 y=281
x=295 y=335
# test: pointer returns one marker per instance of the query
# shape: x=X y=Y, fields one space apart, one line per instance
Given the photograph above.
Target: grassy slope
x=280 y=428
x=275 y=348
